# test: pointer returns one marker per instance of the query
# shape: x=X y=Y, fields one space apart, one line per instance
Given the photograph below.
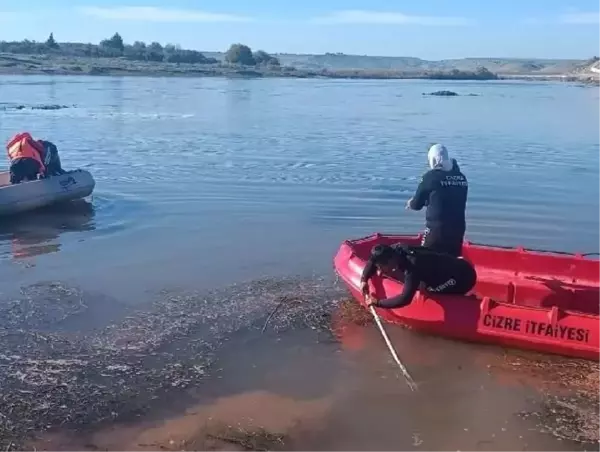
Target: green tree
x=240 y=54
x=171 y=53
x=137 y=51
x=51 y=43
x=114 y=43
x=154 y=52
x=484 y=73
x=262 y=57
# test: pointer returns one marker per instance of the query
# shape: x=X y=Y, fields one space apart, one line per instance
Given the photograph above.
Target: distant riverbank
x=114 y=57
x=11 y=64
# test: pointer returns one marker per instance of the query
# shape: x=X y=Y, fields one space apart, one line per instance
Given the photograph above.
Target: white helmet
x=438 y=158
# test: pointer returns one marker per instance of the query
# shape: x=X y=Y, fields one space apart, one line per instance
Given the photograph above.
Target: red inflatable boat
x=543 y=301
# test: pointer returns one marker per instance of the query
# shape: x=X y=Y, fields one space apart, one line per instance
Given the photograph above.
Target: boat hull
x=32 y=195
x=539 y=301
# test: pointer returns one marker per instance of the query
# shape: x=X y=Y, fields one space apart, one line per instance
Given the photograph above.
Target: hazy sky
x=431 y=29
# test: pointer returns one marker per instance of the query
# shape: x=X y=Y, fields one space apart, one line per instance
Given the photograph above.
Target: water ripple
x=179 y=164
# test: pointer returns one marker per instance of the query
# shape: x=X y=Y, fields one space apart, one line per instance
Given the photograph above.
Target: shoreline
x=129 y=365
x=167 y=375
x=22 y=65
x=298 y=74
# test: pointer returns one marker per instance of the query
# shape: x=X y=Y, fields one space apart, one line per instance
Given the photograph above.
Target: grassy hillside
x=501 y=66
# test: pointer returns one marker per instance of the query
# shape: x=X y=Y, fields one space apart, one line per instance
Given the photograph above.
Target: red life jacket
x=22 y=145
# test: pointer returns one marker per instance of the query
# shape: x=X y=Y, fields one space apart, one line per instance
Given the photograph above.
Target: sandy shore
x=275 y=363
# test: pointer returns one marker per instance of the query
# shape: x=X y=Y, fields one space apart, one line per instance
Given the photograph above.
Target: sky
x=429 y=29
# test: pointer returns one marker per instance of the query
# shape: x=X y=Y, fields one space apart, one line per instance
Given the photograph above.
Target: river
x=206 y=183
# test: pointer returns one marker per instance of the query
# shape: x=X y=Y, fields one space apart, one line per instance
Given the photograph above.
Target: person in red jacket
x=26 y=159
x=32 y=159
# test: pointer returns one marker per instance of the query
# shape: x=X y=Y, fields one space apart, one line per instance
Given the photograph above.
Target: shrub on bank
x=243 y=55
x=113 y=47
x=481 y=73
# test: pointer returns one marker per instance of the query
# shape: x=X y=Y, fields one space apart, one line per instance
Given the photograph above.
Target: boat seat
x=496 y=289
x=538 y=292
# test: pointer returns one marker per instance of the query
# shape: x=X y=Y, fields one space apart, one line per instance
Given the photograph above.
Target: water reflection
x=35 y=233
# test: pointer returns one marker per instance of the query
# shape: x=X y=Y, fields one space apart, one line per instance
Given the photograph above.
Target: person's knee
x=24 y=168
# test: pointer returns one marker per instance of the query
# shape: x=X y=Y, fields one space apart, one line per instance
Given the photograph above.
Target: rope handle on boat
x=411 y=383
x=535 y=250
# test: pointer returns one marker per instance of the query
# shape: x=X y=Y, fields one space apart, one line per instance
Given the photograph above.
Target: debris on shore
x=76 y=379
x=570 y=396
x=55 y=375
x=257 y=439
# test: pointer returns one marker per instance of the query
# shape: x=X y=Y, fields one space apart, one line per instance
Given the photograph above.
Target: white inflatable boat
x=39 y=193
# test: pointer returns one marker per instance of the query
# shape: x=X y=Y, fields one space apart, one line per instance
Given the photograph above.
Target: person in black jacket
x=51 y=158
x=417 y=267
x=443 y=189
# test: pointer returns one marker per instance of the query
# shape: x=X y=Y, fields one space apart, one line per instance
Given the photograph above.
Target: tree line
x=115 y=47
x=481 y=73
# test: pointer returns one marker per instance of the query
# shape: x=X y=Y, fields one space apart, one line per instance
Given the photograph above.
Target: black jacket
x=445 y=195
x=435 y=272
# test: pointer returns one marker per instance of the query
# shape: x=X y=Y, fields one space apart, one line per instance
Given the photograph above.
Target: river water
x=204 y=183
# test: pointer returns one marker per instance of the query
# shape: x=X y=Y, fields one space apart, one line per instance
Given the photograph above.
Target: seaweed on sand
x=570 y=404
x=352 y=312
x=41 y=305
x=55 y=378
x=255 y=439
x=220 y=436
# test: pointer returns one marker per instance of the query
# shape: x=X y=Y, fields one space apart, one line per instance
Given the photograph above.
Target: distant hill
x=501 y=66
x=589 y=71
x=590 y=67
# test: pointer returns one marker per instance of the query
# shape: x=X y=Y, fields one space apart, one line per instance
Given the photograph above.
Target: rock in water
x=441 y=93
x=35 y=107
x=49 y=107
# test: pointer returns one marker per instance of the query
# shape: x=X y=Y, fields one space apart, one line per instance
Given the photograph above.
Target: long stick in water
x=409 y=380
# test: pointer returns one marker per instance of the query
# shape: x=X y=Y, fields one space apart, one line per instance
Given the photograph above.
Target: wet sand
x=342 y=406
x=58 y=370
x=285 y=365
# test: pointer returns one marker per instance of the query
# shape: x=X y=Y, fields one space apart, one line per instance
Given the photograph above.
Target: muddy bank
x=569 y=393
x=269 y=365
x=56 y=372
x=300 y=390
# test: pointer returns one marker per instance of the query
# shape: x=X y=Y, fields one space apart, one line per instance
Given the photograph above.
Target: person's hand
x=370 y=300
x=407 y=206
x=364 y=288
